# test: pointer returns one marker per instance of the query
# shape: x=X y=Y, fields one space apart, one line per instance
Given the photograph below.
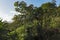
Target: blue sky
x=7 y=7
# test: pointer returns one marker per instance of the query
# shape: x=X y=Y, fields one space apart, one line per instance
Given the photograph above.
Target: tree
x=34 y=23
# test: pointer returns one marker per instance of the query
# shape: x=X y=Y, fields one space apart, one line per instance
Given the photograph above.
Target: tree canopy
x=34 y=23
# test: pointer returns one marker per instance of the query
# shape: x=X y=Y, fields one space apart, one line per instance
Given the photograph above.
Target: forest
x=34 y=23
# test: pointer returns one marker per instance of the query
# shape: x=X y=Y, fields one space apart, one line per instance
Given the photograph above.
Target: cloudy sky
x=7 y=7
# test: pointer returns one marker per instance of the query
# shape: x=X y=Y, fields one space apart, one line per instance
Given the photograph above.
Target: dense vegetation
x=34 y=23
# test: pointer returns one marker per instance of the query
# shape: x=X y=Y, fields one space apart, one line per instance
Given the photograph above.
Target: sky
x=7 y=10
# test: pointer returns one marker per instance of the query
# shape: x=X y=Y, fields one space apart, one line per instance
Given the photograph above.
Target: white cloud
x=5 y=16
x=14 y=12
x=8 y=16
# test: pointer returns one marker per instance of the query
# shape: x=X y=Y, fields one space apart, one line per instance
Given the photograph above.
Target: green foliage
x=47 y=5
x=34 y=23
